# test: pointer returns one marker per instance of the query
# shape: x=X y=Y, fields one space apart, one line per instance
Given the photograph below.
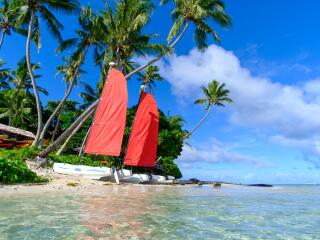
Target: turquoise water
x=283 y=212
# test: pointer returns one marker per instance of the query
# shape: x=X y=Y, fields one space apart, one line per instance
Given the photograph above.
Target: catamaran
x=107 y=131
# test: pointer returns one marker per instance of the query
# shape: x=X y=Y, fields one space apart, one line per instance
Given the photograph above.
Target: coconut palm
x=32 y=11
x=70 y=72
x=67 y=71
x=199 y=12
x=123 y=35
x=88 y=36
x=21 y=80
x=214 y=95
x=19 y=107
x=149 y=77
x=8 y=23
x=89 y=95
x=5 y=77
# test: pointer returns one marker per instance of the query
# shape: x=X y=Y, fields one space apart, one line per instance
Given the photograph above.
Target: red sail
x=109 y=122
x=142 y=148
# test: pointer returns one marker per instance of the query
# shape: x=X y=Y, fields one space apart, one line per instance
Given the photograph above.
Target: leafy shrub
x=14 y=170
x=167 y=163
x=75 y=160
x=21 y=153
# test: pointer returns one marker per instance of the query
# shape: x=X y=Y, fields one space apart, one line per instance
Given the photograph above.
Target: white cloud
x=258 y=102
x=216 y=152
x=310 y=147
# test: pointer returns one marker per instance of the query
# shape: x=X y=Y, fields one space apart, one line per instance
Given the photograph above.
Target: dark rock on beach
x=194 y=180
x=259 y=185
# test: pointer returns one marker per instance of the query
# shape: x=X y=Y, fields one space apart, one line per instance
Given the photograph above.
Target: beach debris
x=40 y=162
x=72 y=184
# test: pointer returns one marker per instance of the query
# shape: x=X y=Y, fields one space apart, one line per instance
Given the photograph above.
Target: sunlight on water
x=288 y=212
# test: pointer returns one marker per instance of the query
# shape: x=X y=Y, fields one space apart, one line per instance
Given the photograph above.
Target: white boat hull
x=82 y=170
x=136 y=178
x=123 y=175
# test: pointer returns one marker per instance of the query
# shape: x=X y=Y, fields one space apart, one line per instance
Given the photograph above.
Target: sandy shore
x=66 y=183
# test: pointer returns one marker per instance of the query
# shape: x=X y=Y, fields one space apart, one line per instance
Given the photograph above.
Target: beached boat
x=82 y=170
x=124 y=175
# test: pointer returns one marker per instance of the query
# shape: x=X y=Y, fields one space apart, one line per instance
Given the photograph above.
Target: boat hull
x=124 y=175
x=82 y=170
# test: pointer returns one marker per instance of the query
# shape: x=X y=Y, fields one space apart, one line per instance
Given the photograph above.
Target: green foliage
x=167 y=163
x=13 y=168
x=201 y=14
x=21 y=153
x=214 y=94
x=76 y=160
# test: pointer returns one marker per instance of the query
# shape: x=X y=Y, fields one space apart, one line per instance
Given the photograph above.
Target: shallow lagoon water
x=155 y=212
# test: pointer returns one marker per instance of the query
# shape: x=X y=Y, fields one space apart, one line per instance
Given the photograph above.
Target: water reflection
x=146 y=212
x=118 y=213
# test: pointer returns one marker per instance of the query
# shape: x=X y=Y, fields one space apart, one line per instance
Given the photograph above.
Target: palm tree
x=32 y=11
x=150 y=77
x=5 y=76
x=199 y=12
x=88 y=36
x=214 y=95
x=213 y=9
x=89 y=95
x=21 y=80
x=123 y=35
x=8 y=21
x=69 y=72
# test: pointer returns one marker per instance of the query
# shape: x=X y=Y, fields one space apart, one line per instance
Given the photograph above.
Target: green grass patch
x=13 y=168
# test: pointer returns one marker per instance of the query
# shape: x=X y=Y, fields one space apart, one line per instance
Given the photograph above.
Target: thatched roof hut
x=4 y=129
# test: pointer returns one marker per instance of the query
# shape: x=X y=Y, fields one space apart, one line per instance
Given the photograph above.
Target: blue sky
x=268 y=59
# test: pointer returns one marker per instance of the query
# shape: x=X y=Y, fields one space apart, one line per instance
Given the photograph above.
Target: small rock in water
x=216 y=184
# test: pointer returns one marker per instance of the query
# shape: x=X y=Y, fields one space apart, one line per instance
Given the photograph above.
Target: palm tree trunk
x=92 y=107
x=33 y=81
x=55 y=129
x=72 y=134
x=11 y=114
x=12 y=106
x=84 y=142
x=55 y=112
x=198 y=125
x=62 y=102
x=66 y=133
x=2 y=38
x=53 y=137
